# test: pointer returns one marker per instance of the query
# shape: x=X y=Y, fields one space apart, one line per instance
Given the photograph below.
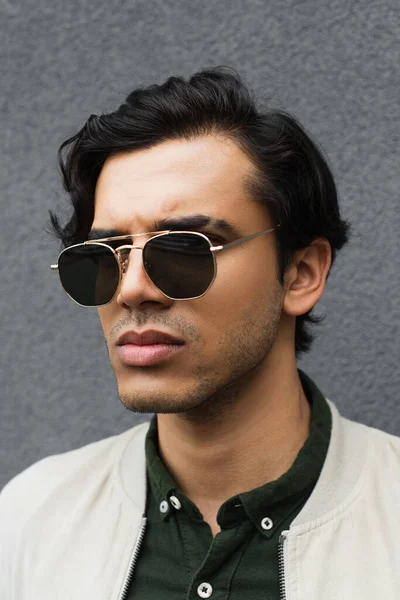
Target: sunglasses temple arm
x=242 y=240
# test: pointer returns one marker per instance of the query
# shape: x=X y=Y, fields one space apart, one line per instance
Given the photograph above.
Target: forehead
x=175 y=178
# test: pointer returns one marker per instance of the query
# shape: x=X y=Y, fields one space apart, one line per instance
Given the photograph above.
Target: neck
x=254 y=441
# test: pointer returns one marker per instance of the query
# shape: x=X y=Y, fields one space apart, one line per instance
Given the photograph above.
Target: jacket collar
x=132 y=468
x=341 y=475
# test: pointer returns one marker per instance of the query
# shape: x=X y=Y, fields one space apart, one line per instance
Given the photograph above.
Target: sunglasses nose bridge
x=124 y=258
x=135 y=282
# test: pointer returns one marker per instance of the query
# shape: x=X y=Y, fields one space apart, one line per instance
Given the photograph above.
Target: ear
x=305 y=278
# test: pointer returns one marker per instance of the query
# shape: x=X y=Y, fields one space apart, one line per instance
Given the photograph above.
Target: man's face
x=232 y=328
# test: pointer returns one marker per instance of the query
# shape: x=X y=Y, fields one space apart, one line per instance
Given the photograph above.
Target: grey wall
x=333 y=64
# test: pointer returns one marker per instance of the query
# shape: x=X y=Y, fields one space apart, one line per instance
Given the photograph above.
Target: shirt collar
x=276 y=500
x=273 y=501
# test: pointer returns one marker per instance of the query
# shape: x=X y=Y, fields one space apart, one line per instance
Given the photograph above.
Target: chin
x=137 y=404
x=157 y=396
x=197 y=395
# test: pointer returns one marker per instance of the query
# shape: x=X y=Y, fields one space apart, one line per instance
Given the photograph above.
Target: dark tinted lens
x=180 y=264
x=89 y=273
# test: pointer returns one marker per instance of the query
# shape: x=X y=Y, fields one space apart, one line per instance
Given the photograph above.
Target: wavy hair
x=292 y=178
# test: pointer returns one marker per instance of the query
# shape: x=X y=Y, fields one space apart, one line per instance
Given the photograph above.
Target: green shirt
x=181 y=560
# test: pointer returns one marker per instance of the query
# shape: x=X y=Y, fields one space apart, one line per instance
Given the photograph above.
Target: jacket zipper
x=281 y=566
x=133 y=560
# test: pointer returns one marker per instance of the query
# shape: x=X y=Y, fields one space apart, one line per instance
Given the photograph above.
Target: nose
x=136 y=289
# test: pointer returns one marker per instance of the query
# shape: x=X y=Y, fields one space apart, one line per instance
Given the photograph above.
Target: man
x=204 y=232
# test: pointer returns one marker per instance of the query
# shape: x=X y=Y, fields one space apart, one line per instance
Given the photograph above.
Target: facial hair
x=240 y=352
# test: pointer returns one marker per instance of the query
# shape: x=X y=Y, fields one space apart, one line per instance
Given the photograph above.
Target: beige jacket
x=71 y=525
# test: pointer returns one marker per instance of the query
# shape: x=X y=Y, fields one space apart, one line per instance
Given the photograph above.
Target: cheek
x=239 y=288
x=242 y=279
x=106 y=316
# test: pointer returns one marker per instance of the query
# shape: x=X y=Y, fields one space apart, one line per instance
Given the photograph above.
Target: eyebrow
x=190 y=222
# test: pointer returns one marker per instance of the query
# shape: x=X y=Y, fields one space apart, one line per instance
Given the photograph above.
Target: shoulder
x=94 y=461
x=363 y=438
x=379 y=440
x=69 y=487
x=385 y=446
x=381 y=456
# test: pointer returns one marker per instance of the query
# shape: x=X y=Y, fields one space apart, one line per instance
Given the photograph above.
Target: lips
x=148 y=348
x=148 y=338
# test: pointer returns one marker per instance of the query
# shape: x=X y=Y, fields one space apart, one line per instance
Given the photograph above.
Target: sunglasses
x=181 y=264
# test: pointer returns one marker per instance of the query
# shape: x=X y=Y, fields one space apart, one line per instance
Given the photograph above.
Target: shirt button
x=175 y=502
x=204 y=590
x=267 y=523
x=164 y=506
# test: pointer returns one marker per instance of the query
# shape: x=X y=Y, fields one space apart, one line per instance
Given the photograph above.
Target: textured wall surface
x=335 y=65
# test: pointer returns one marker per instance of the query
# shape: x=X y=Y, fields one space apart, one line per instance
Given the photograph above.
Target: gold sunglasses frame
x=155 y=234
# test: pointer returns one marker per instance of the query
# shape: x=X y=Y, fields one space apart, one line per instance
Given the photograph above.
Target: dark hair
x=292 y=178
